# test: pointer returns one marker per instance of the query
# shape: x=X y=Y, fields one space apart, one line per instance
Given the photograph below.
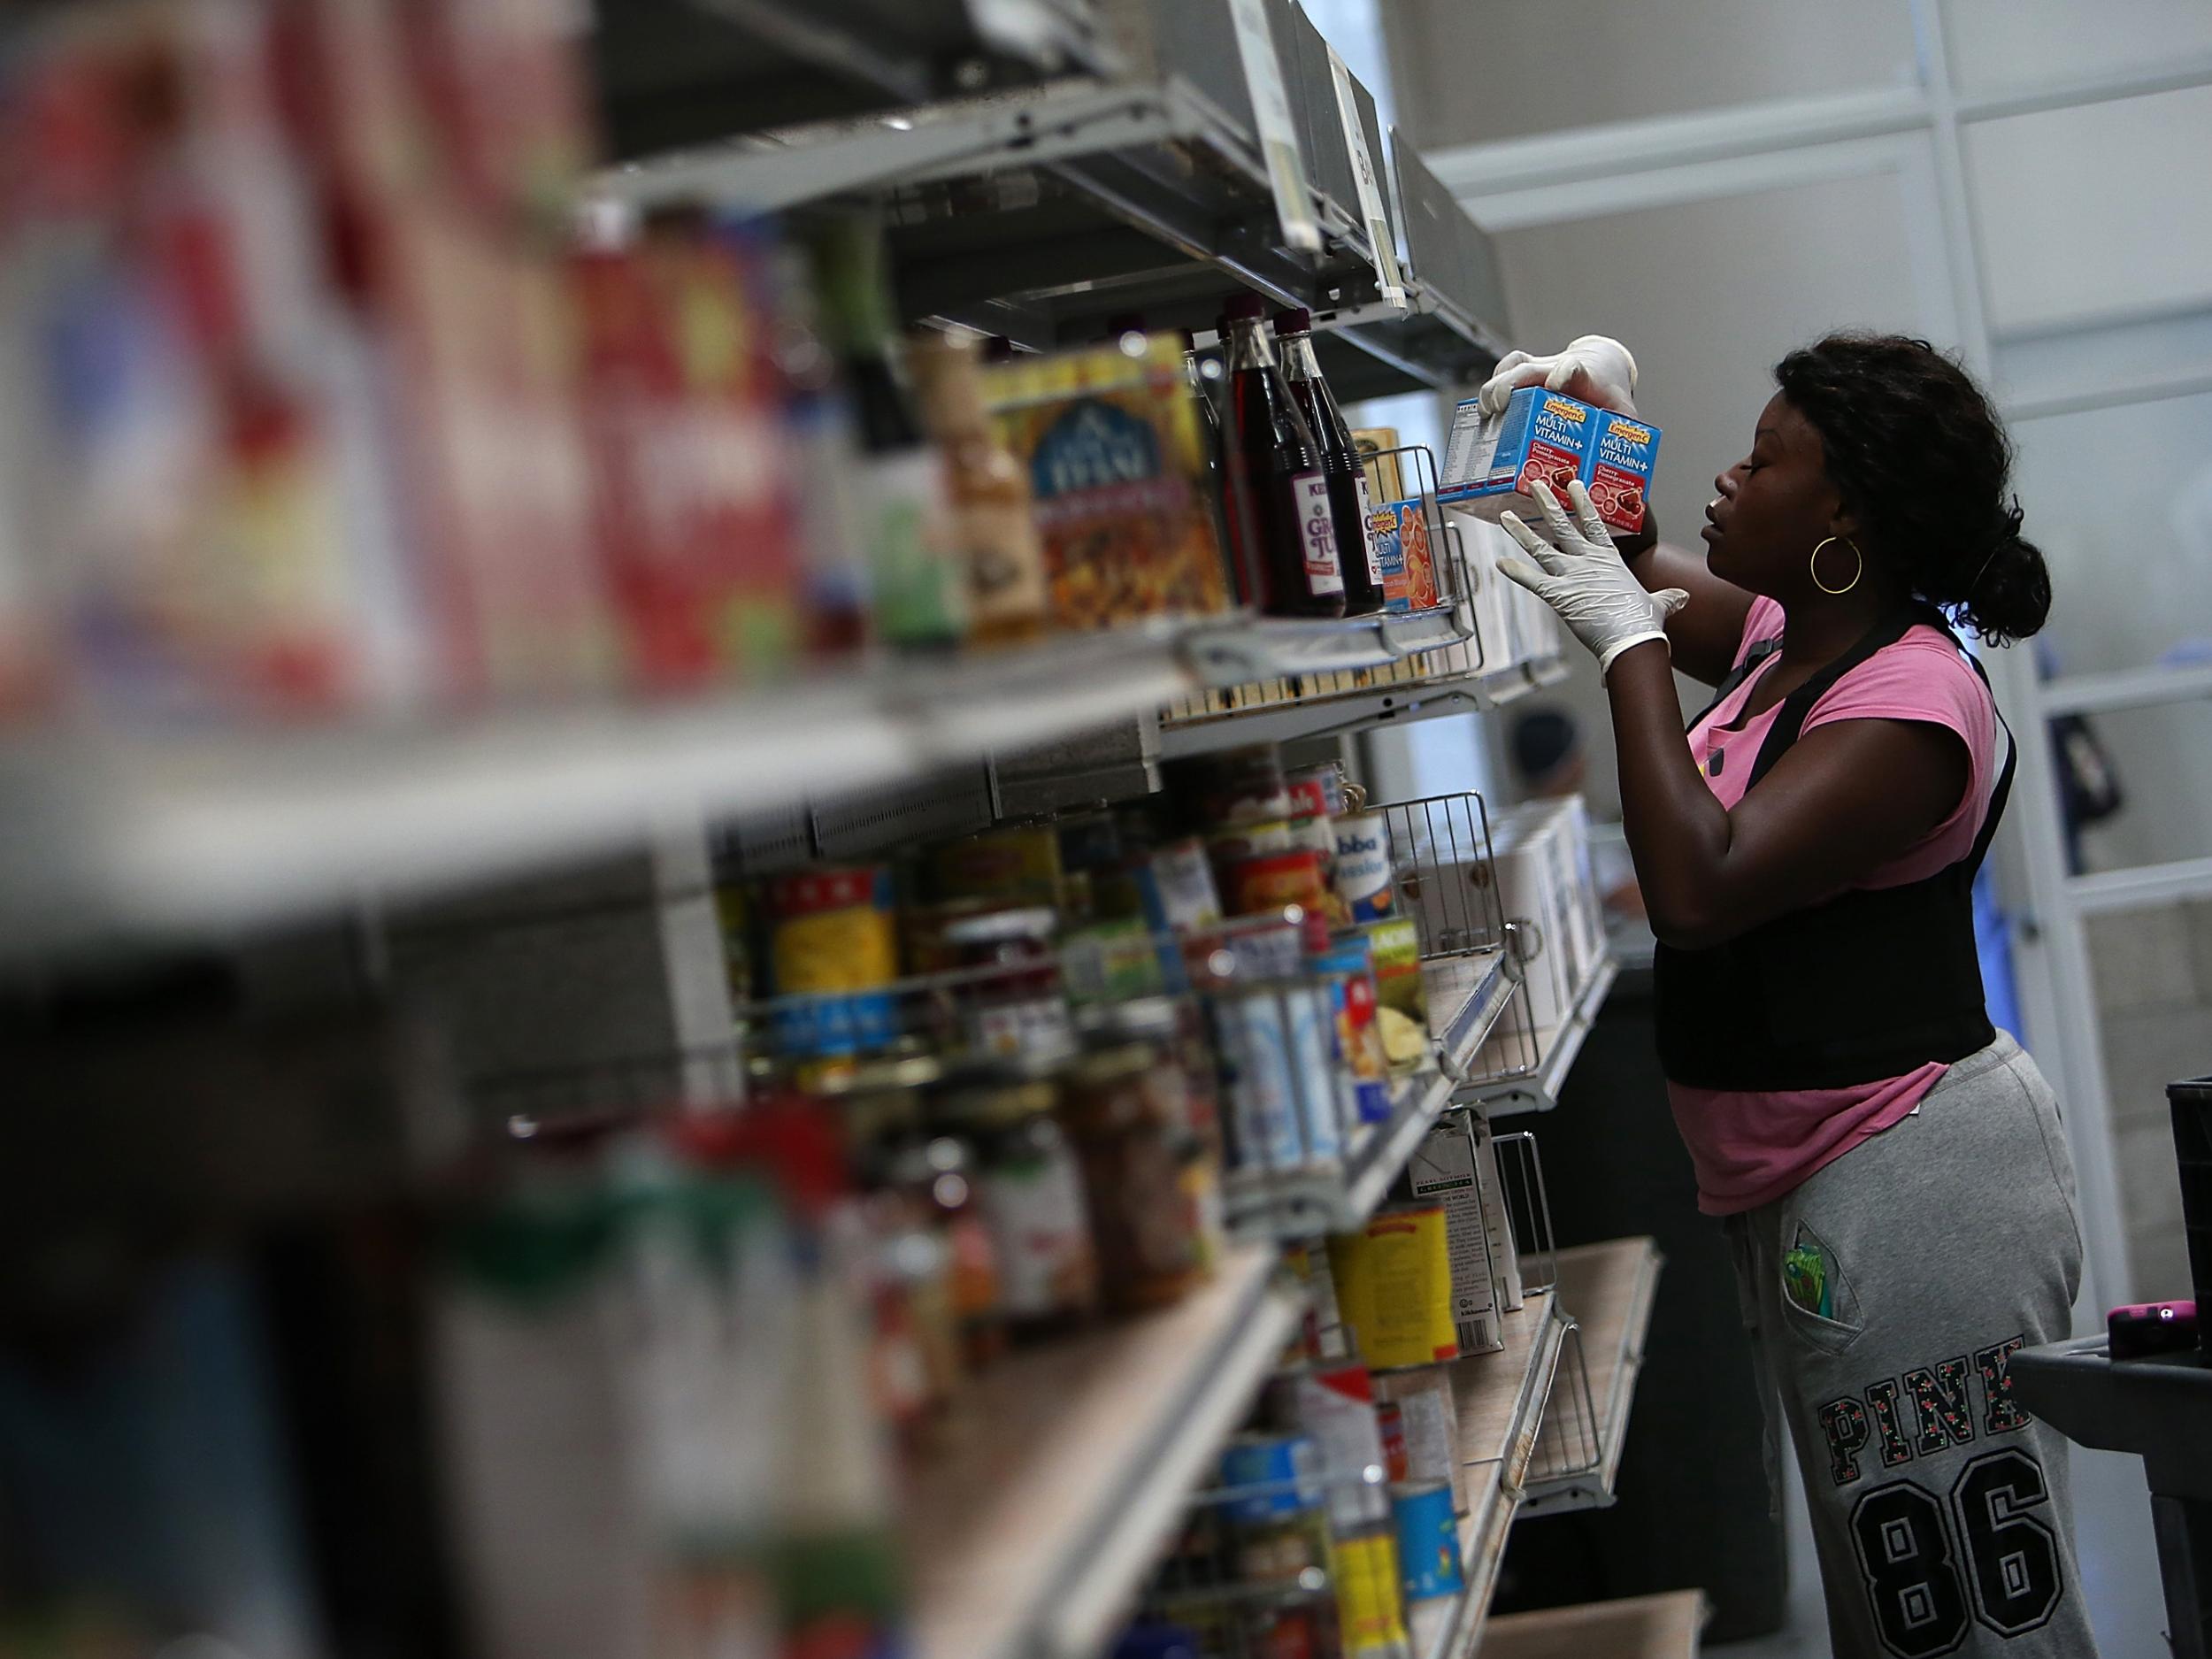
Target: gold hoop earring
x=1855 y=574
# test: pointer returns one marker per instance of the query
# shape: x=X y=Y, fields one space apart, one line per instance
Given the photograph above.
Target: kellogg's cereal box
x=1489 y=464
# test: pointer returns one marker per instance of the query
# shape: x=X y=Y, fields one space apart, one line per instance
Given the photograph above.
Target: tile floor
x=2112 y=1538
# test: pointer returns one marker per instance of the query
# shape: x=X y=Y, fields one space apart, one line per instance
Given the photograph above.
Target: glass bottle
x=994 y=522
x=1348 y=502
x=916 y=593
x=1217 y=464
x=1286 y=546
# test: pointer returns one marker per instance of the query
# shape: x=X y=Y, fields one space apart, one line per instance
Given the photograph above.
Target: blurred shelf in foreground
x=105 y=837
x=1028 y=1536
x=1501 y=1400
x=1638 y=1627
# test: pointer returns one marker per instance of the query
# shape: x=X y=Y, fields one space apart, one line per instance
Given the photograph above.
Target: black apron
x=1865 y=987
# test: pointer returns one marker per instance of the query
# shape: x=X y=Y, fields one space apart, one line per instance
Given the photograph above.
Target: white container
x=1527 y=871
x=1554 y=834
x=1492 y=595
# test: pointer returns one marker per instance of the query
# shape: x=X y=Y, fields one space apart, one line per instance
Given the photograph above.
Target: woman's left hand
x=1578 y=572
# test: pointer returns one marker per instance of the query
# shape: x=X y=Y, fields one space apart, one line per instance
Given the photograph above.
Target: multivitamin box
x=1489 y=464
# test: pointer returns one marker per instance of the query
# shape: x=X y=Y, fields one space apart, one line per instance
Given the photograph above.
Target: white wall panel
x=2120 y=500
x=2087 y=213
x=1997 y=44
x=1708 y=297
x=1470 y=71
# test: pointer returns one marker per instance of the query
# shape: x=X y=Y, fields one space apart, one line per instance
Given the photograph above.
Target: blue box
x=1546 y=435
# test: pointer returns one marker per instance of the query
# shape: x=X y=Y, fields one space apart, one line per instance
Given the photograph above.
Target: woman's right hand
x=1596 y=368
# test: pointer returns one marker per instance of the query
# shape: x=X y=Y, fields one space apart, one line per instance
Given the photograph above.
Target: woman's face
x=1773 y=507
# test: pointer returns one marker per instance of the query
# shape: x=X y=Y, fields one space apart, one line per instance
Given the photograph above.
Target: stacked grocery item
x=1244 y=930
x=319 y=404
x=1293 y=475
x=997 y=1088
x=1333 y=1520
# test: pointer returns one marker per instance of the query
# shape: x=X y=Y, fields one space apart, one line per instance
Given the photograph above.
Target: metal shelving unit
x=112 y=835
x=115 y=837
x=1558 y=1047
x=1665 y=1626
x=1506 y=1401
x=1608 y=1289
x=1477 y=989
x=1027 y=1536
x=1277 y=723
x=1501 y=1400
x=683 y=72
x=1138 y=183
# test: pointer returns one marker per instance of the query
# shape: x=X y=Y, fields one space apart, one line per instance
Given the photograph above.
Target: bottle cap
x=1243 y=308
x=1294 y=319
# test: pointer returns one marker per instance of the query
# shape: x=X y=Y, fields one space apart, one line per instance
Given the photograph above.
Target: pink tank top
x=1751 y=1147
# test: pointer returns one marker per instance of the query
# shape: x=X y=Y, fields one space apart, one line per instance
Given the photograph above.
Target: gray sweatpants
x=1885 y=1297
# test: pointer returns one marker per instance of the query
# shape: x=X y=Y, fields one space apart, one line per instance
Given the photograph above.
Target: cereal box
x=1118 y=470
x=1490 y=464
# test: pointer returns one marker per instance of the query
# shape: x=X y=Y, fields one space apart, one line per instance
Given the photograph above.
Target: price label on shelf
x=1371 y=211
x=1277 y=133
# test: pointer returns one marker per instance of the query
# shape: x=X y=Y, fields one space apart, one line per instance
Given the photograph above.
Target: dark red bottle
x=1348 y=505
x=1286 y=542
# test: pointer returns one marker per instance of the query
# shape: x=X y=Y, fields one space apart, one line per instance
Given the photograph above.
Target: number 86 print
x=1921 y=1600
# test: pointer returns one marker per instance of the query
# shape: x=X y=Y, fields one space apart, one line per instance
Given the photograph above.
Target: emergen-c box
x=1489 y=464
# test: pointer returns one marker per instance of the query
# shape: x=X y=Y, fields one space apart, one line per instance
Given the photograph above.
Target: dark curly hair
x=1922 y=460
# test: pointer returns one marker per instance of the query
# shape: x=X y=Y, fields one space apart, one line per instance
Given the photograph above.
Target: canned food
x=1110 y=962
x=1318 y=790
x=1333 y=1404
x=1031 y=1192
x=1269 y=1476
x=1369 y=1593
x=1177 y=894
x=1266 y=1118
x=1272 y=1506
x=1150 y=1249
x=1014 y=1009
x=1230 y=847
x=1393 y=1283
x=1259 y=954
x=1419 y=1416
x=832 y=931
x=1396 y=949
x=1363 y=867
x=1240 y=786
x=1314 y=1069
x=1348 y=964
x=1321 y=1332
x=1274 y=881
x=1019 y=864
x=1428 y=1540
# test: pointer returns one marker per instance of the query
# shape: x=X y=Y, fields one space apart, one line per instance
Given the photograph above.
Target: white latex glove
x=1578 y=572
x=1596 y=368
